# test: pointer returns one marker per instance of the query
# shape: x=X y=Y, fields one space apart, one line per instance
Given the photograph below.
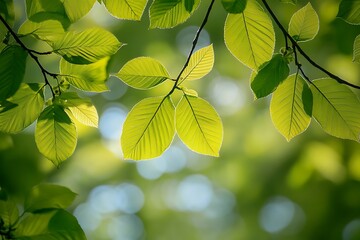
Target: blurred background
x=261 y=187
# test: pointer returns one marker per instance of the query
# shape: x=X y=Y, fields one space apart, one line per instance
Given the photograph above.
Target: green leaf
x=9 y=212
x=289 y=1
x=12 y=70
x=55 y=134
x=48 y=196
x=270 y=75
x=148 y=129
x=22 y=109
x=290 y=107
x=169 y=13
x=250 y=36
x=349 y=10
x=356 y=57
x=39 y=6
x=199 y=126
x=200 y=64
x=234 y=6
x=82 y=109
x=50 y=225
x=86 y=47
x=90 y=77
x=126 y=9
x=7 y=11
x=77 y=9
x=304 y=24
x=336 y=108
x=143 y=73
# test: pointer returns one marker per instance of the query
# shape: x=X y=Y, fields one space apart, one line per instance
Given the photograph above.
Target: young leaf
x=77 y=9
x=250 y=36
x=39 y=6
x=55 y=134
x=81 y=108
x=9 y=212
x=200 y=64
x=336 y=108
x=126 y=9
x=22 y=109
x=234 y=6
x=270 y=76
x=90 y=77
x=12 y=70
x=356 y=57
x=48 y=196
x=304 y=24
x=143 y=73
x=148 y=129
x=86 y=47
x=291 y=106
x=169 y=13
x=199 y=126
x=349 y=10
x=7 y=11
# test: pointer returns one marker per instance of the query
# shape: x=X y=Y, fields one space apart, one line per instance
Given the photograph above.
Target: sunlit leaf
x=356 y=57
x=234 y=6
x=199 y=126
x=77 y=9
x=291 y=106
x=9 y=212
x=304 y=24
x=87 y=46
x=39 y=6
x=90 y=77
x=190 y=92
x=126 y=9
x=22 y=109
x=55 y=134
x=250 y=36
x=143 y=73
x=7 y=11
x=349 y=10
x=169 y=13
x=12 y=70
x=148 y=129
x=336 y=108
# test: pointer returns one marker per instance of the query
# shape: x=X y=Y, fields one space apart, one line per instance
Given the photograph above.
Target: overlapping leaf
x=7 y=11
x=77 y=9
x=349 y=10
x=40 y=6
x=234 y=6
x=126 y=9
x=356 y=57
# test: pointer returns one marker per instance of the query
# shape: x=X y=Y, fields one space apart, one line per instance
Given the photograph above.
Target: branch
x=296 y=46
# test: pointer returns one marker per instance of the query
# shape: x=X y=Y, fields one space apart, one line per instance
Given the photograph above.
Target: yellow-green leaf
x=126 y=9
x=77 y=9
x=356 y=57
x=40 y=6
x=349 y=10
x=148 y=129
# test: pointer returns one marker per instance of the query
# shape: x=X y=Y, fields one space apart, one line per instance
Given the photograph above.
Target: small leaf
x=12 y=70
x=77 y=9
x=234 y=6
x=199 y=126
x=55 y=134
x=148 y=129
x=40 y=6
x=289 y=112
x=349 y=10
x=289 y=1
x=90 y=77
x=126 y=9
x=7 y=11
x=22 y=109
x=270 y=76
x=190 y=92
x=48 y=196
x=304 y=24
x=336 y=108
x=143 y=73
x=9 y=213
x=356 y=57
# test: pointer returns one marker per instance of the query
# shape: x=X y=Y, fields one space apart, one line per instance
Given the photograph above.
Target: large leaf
x=48 y=196
x=199 y=126
x=169 y=13
x=143 y=73
x=336 y=108
x=22 y=109
x=250 y=36
x=148 y=129
x=7 y=11
x=356 y=57
x=77 y=9
x=126 y=9
x=234 y=6
x=200 y=64
x=304 y=24
x=349 y=10
x=9 y=212
x=12 y=70
x=270 y=76
x=90 y=77
x=39 y=6
x=291 y=107
x=55 y=134
x=86 y=47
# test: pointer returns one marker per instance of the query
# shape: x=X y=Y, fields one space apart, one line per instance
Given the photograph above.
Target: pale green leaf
x=90 y=77
x=250 y=36
x=143 y=73
x=234 y=6
x=190 y=92
x=349 y=10
x=199 y=126
x=40 y=6
x=304 y=24
x=126 y=9
x=77 y=9
x=289 y=1
x=9 y=212
x=290 y=114
x=7 y=11
x=55 y=134
x=169 y=13
x=356 y=57
x=148 y=129
x=87 y=46
x=22 y=109
x=200 y=64
x=336 y=108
